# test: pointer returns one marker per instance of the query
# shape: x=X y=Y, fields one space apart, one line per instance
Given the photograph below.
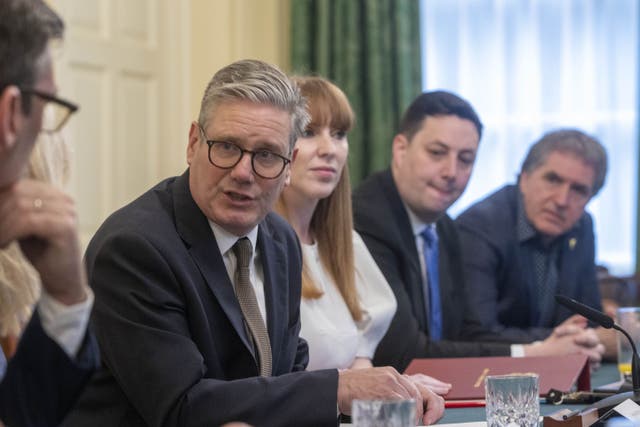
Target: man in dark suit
x=183 y=341
x=432 y=159
x=525 y=243
x=56 y=355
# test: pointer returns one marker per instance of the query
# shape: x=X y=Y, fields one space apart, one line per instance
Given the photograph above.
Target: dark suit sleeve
x=147 y=333
x=42 y=382
x=302 y=351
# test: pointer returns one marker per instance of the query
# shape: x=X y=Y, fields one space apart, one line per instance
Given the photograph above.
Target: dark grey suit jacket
x=502 y=277
x=175 y=351
x=42 y=382
x=381 y=219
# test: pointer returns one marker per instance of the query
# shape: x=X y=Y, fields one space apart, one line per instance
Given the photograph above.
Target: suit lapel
x=407 y=242
x=209 y=261
x=401 y=217
x=447 y=288
x=194 y=229
x=274 y=267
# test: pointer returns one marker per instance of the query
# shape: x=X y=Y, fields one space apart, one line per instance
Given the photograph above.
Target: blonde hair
x=331 y=223
x=19 y=281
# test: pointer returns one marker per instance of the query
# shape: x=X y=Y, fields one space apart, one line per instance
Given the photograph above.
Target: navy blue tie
x=433 y=282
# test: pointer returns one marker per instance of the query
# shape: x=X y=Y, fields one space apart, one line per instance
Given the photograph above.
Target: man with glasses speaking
x=55 y=355
x=198 y=284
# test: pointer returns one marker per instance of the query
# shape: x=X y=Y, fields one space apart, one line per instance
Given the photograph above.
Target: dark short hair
x=437 y=103
x=571 y=141
x=26 y=26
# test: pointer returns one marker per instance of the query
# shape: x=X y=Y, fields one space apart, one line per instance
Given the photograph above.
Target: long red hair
x=332 y=220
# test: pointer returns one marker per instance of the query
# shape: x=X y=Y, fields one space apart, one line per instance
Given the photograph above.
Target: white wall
x=138 y=69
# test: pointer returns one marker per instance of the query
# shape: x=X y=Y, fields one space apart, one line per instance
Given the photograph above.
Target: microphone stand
x=635 y=363
x=605 y=406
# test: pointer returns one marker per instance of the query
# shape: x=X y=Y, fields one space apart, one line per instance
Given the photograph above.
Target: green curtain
x=371 y=50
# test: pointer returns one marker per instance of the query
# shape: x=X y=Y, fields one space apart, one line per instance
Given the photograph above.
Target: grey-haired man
x=527 y=242
x=198 y=285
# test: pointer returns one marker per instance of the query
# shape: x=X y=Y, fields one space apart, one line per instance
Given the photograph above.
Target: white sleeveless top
x=334 y=338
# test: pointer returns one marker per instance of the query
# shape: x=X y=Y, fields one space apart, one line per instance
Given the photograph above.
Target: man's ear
x=194 y=139
x=10 y=117
x=287 y=172
x=399 y=149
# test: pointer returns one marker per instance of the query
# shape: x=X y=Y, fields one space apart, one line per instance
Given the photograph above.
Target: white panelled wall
x=138 y=69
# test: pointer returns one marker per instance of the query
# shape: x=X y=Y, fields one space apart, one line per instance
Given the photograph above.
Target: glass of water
x=629 y=319
x=512 y=400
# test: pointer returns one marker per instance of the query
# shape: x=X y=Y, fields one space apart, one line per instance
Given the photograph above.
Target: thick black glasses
x=226 y=155
x=57 y=111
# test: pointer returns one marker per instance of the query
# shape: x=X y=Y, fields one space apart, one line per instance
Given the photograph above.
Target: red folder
x=466 y=374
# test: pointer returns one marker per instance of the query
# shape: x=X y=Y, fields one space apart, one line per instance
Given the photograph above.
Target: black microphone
x=594 y=315
x=605 y=406
x=606 y=322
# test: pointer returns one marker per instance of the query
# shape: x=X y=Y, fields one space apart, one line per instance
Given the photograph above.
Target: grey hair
x=572 y=141
x=258 y=82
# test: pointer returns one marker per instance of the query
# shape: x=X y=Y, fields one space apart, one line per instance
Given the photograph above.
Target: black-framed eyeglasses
x=226 y=155
x=57 y=110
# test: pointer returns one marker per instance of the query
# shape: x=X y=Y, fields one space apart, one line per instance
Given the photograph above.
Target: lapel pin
x=572 y=243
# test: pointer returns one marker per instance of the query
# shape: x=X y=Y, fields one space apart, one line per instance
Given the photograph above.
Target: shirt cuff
x=65 y=324
x=517 y=350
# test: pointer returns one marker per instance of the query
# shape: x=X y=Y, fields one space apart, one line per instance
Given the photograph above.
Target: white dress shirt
x=225 y=241
x=334 y=338
x=417 y=226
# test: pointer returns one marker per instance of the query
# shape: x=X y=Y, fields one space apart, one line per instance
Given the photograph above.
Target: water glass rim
x=514 y=376
x=385 y=400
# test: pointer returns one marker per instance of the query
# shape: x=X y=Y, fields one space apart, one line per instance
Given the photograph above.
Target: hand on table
x=569 y=339
x=571 y=325
x=387 y=383
x=435 y=385
x=608 y=338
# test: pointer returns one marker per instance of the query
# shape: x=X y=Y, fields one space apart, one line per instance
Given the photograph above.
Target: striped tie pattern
x=249 y=305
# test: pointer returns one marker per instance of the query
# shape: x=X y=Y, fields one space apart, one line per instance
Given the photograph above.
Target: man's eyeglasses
x=226 y=155
x=57 y=111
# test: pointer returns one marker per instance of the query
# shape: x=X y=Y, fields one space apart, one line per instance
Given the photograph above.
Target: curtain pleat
x=371 y=50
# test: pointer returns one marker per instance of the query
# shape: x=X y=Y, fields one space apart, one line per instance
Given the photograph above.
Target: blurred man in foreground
x=56 y=355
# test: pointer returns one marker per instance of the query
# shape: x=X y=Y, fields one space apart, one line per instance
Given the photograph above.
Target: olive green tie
x=249 y=305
